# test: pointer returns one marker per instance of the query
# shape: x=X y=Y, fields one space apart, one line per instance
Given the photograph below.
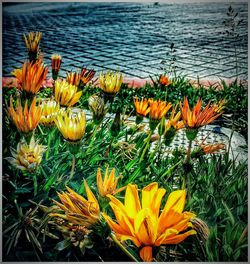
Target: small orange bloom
x=141 y=107
x=26 y=120
x=86 y=75
x=212 y=148
x=174 y=121
x=164 y=80
x=31 y=76
x=77 y=209
x=198 y=117
x=108 y=185
x=158 y=109
x=73 y=78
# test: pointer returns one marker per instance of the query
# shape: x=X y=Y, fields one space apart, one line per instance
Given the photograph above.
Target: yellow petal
x=176 y=201
x=179 y=238
x=132 y=202
x=148 y=193
x=90 y=195
x=114 y=226
x=168 y=233
x=123 y=220
x=99 y=182
x=145 y=227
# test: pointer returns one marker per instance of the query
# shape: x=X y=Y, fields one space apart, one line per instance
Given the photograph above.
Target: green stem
x=73 y=167
x=187 y=161
x=170 y=170
x=35 y=184
x=92 y=139
x=147 y=142
x=49 y=141
x=117 y=242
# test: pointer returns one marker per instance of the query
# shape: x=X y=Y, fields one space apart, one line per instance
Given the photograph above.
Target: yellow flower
x=108 y=185
x=66 y=94
x=142 y=222
x=71 y=125
x=197 y=117
x=31 y=76
x=27 y=156
x=50 y=109
x=141 y=107
x=32 y=41
x=220 y=106
x=174 y=121
x=158 y=109
x=77 y=209
x=73 y=78
x=26 y=120
x=98 y=108
x=110 y=82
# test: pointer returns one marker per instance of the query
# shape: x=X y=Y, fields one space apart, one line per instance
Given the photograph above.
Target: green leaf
x=62 y=245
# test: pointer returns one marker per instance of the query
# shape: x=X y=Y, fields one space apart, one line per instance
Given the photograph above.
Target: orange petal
x=146 y=254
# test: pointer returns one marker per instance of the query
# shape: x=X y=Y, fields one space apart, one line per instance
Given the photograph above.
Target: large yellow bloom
x=158 y=109
x=32 y=41
x=31 y=76
x=141 y=222
x=108 y=185
x=26 y=120
x=72 y=125
x=27 y=156
x=198 y=117
x=66 y=94
x=77 y=209
x=141 y=106
x=110 y=82
x=50 y=109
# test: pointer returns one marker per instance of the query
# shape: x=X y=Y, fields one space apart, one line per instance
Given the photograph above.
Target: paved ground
x=131 y=37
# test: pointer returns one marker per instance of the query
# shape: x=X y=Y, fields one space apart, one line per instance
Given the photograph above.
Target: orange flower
x=77 y=209
x=142 y=222
x=164 y=80
x=108 y=185
x=158 y=109
x=86 y=75
x=73 y=78
x=26 y=120
x=141 y=107
x=174 y=121
x=212 y=148
x=31 y=76
x=198 y=117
